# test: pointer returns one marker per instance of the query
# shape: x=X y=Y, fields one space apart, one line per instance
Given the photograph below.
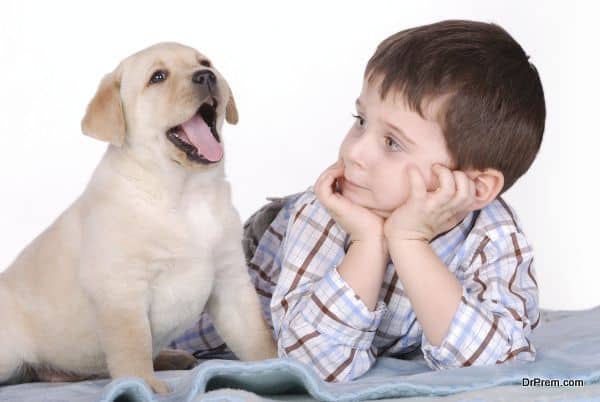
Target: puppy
x=151 y=242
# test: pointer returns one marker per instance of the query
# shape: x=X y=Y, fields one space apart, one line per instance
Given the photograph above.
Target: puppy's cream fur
x=151 y=242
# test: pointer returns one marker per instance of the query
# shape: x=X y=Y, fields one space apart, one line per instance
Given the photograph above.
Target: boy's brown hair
x=495 y=111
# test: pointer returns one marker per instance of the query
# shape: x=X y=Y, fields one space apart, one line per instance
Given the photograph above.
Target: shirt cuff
x=335 y=310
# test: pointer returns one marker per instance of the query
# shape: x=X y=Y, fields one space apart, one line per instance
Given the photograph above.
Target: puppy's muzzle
x=198 y=136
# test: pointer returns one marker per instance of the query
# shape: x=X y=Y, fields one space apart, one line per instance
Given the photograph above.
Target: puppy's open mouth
x=198 y=137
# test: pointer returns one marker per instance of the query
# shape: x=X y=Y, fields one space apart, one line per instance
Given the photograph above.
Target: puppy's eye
x=158 y=76
x=205 y=63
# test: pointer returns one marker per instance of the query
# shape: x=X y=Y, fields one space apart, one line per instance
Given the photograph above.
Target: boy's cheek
x=392 y=199
x=431 y=180
x=342 y=151
x=350 y=197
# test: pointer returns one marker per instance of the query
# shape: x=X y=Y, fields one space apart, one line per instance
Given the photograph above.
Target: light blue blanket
x=568 y=346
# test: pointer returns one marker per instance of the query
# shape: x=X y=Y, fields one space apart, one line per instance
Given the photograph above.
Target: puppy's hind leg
x=13 y=369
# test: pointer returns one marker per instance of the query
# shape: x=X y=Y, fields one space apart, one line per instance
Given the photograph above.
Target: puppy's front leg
x=127 y=342
x=235 y=308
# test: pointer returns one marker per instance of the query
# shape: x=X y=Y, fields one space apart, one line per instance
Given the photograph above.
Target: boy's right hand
x=359 y=222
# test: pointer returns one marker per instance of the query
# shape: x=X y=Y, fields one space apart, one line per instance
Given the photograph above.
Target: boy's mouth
x=351 y=183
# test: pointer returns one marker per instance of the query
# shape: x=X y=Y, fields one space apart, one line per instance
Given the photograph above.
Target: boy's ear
x=104 y=118
x=488 y=184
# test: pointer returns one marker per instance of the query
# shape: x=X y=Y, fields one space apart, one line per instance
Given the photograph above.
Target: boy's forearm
x=432 y=289
x=363 y=269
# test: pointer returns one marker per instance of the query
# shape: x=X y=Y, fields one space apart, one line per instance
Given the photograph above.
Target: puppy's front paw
x=261 y=348
x=158 y=386
x=269 y=350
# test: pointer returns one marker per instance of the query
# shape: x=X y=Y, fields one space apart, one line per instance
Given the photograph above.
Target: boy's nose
x=356 y=156
x=356 y=162
x=359 y=151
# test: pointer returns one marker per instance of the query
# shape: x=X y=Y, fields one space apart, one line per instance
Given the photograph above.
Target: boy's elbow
x=348 y=363
x=524 y=354
x=485 y=358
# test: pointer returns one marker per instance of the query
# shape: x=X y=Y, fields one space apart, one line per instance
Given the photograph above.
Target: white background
x=295 y=69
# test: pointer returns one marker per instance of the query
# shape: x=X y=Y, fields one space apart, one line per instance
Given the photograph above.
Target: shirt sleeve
x=318 y=319
x=497 y=312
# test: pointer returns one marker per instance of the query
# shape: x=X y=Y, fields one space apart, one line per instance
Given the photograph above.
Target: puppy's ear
x=231 y=113
x=104 y=118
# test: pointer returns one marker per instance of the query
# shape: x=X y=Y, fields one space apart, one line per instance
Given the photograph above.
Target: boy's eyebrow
x=390 y=125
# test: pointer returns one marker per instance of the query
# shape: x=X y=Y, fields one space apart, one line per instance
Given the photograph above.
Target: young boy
x=405 y=240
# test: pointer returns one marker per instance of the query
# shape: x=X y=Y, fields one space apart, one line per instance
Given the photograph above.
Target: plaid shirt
x=318 y=319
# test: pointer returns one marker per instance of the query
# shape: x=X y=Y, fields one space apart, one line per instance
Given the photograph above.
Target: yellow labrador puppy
x=151 y=242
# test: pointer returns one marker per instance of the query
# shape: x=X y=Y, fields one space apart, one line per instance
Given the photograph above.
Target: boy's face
x=385 y=140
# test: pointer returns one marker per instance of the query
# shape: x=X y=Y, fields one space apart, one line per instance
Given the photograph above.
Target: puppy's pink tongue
x=199 y=134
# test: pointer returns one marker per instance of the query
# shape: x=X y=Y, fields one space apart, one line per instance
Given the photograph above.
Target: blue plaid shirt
x=317 y=318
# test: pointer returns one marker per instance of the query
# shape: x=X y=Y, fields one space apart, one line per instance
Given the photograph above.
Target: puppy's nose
x=204 y=77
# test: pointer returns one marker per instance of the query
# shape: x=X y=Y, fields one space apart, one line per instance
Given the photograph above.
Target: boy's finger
x=447 y=186
x=334 y=202
x=334 y=169
x=465 y=192
x=472 y=194
x=324 y=183
x=338 y=165
x=472 y=189
x=324 y=187
x=462 y=186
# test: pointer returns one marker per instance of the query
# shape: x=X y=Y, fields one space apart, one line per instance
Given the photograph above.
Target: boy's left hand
x=425 y=214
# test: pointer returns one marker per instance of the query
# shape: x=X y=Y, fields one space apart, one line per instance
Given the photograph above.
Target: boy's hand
x=359 y=222
x=425 y=214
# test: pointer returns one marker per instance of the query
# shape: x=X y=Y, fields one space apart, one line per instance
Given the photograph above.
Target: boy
x=405 y=240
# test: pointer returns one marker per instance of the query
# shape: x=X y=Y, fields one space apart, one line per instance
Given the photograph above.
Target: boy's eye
x=391 y=144
x=359 y=120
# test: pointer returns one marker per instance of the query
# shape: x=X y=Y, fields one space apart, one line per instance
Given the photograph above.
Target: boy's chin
x=379 y=212
x=356 y=200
